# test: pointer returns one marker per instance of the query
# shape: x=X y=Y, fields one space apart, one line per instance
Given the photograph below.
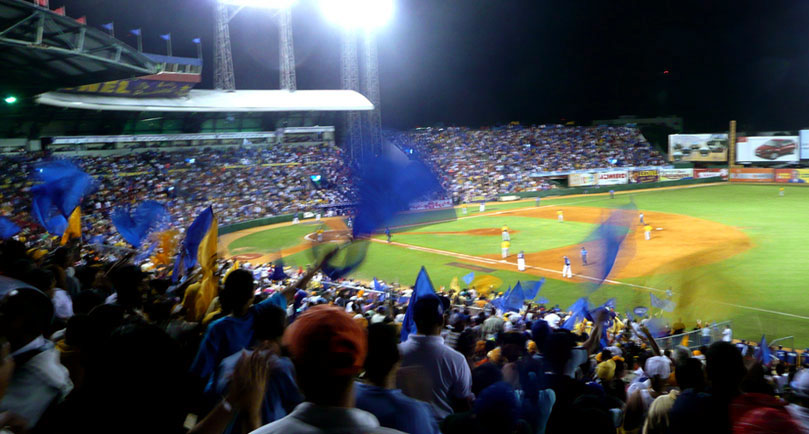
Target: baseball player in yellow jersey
x=506 y=237
x=319 y=233
x=647 y=231
x=504 y=248
x=781 y=191
x=560 y=216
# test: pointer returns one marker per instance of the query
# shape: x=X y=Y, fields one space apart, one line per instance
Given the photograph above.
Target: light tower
x=223 y=59
x=366 y=16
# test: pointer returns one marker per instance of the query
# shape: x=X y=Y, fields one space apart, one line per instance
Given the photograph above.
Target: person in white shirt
x=428 y=363
x=727 y=334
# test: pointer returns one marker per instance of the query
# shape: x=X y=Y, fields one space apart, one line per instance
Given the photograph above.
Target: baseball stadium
x=502 y=251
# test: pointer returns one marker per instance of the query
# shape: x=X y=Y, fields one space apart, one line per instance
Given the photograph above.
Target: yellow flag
x=73 y=227
x=486 y=283
x=206 y=256
x=454 y=284
x=166 y=247
x=233 y=268
x=684 y=341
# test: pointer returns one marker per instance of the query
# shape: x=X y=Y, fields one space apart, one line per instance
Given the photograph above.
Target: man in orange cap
x=328 y=350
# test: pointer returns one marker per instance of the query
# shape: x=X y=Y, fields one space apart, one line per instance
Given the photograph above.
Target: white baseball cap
x=658 y=366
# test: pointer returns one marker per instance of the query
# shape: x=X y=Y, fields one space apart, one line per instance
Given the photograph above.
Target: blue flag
x=141 y=257
x=641 y=311
x=532 y=288
x=196 y=40
x=63 y=186
x=135 y=227
x=609 y=303
x=656 y=327
x=278 y=272
x=402 y=300
x=378 y=286
x=166 y=37
x=580 y=310
x=763 y=353
x=8 y=228
x=423 y=287
x=469 y=278
x=629 y=315
x=135 y=32
x=108 y=26
x=542 y=300
x=666 y=305
x=515 y=299
x=193 y=236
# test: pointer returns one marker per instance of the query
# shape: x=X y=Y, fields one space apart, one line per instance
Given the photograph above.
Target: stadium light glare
x=261 y=4
x=11 y=99
x=358 y=14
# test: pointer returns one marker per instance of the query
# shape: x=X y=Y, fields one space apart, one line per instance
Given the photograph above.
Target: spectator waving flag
x=135 y=227
x=8 y=228
x=423 y=287
x=73 y=229
x=378 y=286
x=62 y=187
x=278 y=271
x=763 y=354
x=515 y=299
x=578 y=311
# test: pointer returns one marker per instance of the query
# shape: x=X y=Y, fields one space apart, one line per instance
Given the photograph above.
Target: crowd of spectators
x=241 y=184
x=96 y=345
x=488 y=162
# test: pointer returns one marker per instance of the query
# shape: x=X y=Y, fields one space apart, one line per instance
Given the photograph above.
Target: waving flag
x=199 y=229
x=515 y=299
x=469 y=278
x=542 y=300
x=73 y=229
x=135 y=32
x=763 y=353
x=166 y=37
x=206 y=256
x=666 y=305
x=136 y=227
x=278 y=272
x=378 y=286
x=641 y=311
x=532 y=288
x=8 y=228
x=62 y=187
x=108 y=26
x=198 y=41
x=423 y=287
x=578 y=311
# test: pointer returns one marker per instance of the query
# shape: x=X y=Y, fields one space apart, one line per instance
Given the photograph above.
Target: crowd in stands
x=489 y=162
x=241 y=184
x=95 y=345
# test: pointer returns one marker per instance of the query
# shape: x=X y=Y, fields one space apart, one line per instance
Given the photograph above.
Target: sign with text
x=613 y=178
x=676 y=174
x=643 y=176
x=752 y=175
x=581 y=179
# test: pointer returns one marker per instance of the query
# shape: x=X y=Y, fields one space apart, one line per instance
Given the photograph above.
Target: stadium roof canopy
x=41 y=50
x=218 y=101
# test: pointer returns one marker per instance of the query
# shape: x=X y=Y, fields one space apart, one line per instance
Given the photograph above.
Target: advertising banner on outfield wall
x=804 y=138
x=698 y=147
x=792 y=176
x=752 y=175
x=676 y=174
x=767 y=148
x=614 y=177
x=643 y=176
x=581 y=179
x=711 y=173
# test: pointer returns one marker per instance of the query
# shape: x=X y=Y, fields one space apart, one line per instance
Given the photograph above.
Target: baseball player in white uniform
x=521 y=261
x=566 y=272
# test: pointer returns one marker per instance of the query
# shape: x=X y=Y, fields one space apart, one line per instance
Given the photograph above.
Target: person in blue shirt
x=781 y=354
x=583 y=256
x=387 y=233
x=612 y=194
x=281 y=393
x=377 y=395
x=234 y=332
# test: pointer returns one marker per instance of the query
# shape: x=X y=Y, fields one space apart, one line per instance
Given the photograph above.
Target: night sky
x=484 y=62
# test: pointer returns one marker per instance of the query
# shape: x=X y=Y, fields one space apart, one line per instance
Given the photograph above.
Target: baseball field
x=726 y=252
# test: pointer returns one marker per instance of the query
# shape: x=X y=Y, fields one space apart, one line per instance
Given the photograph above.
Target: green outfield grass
x=764 y=290
x=272 y=240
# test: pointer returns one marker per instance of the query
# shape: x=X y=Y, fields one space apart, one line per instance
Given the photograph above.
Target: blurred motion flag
x=486 y=283
x=166 y=37
x=763 y=354
x=187 y=258
x=656 y=327
x=387 y=188
x=666 y=305
x=198 y=41
x=641 y=311
x=73 y=229
x=608 y=237
x=135 y=32
x=609 y=303
x=108 y=26
x=515 y=299
x=62 y=187
x=278 y=271
x=8 y=228
x=135 y=228
x=422 y=288
x=541 y=300
x=206 y=255
x=454 y=285
x=59 y=11
x=684 y=342
x=532 y=288
x=469 y=278
x=629 y=315
x=144 y=256
x=378 y=286
x=167 y=245
x=579 y=311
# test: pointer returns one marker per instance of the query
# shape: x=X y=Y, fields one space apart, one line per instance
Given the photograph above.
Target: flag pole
x=168 y=45
x=140 y=43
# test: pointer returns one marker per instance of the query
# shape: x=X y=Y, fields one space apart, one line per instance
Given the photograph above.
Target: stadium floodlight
x=358 y=14
x=11 y=99
x=261 y=4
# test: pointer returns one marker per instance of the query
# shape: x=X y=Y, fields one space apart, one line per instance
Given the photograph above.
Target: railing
x=791 y=340
x=695 y=337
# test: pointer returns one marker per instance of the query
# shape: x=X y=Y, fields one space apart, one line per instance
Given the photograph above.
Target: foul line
x=548 y=270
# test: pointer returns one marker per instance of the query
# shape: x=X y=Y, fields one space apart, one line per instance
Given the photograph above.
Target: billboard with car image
x=767 y=149
x=698 y=147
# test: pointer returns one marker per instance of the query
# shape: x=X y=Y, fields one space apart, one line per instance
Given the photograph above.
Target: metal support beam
x=40 y=29
x=372 y=130
x=286 y=50
x=80 y=39
x=224 y=78
x=349 y=78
